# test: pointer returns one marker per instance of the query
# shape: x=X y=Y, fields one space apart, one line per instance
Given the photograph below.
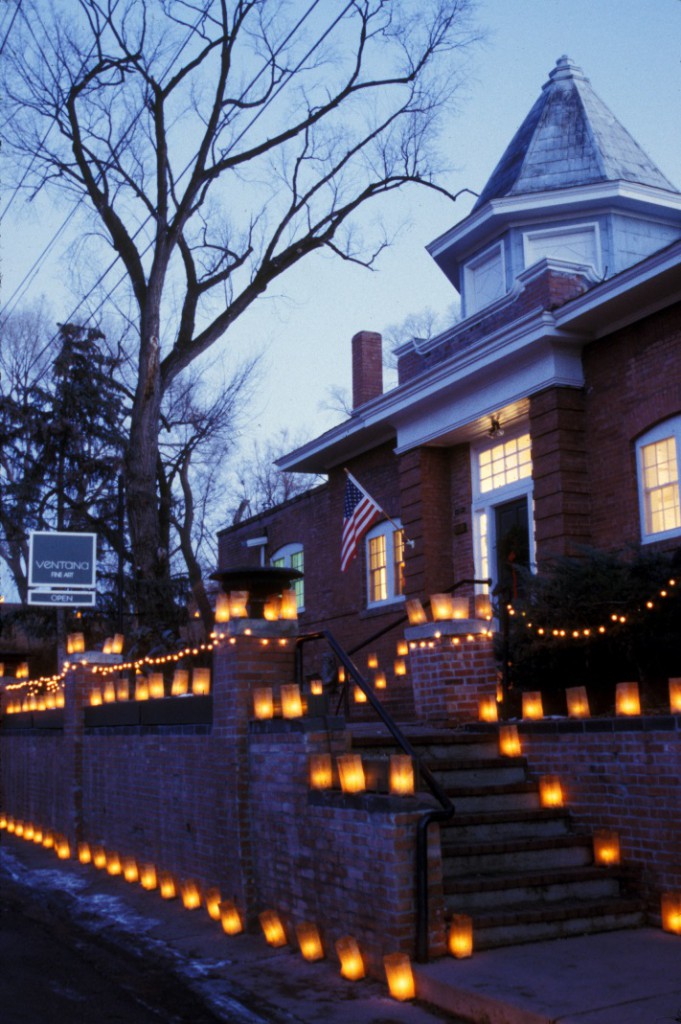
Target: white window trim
x=286 y=552
x=565 y=229
x=471 y=305
x=668 y=428
x=388 y=528
x=485 y=503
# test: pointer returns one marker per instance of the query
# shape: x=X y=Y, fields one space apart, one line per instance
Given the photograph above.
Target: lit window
x=658 y=461
x=502 y=504
x=505 y=463
x=292 y=557
x=385 y=563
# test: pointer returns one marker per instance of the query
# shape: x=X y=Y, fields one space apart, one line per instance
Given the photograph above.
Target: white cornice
x=539 y=350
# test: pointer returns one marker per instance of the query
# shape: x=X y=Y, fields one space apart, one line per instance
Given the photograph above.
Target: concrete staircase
x=522 y=872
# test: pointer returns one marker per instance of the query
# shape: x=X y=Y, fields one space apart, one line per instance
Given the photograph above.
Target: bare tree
x=259 y=485
x=218 y=143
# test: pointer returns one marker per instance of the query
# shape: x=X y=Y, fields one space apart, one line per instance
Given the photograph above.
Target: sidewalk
x=624 y=977
x=240 y=978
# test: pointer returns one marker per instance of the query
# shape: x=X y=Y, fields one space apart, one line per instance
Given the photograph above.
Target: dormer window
x=577 y=243
x=484 y=279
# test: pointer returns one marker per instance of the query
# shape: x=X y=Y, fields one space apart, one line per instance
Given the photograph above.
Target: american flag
x=359 y=512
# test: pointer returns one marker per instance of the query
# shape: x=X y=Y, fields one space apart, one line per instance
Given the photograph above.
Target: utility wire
x=234 y=142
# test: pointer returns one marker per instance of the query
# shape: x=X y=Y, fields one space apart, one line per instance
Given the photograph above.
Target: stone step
x=488 y=771
x=484 y=799
x=431 y=746
x=467 y=895
x=480 y=859
x=511 y=824
x=556 y=920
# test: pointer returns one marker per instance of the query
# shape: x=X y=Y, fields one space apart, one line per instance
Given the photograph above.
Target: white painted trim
x=563 y=230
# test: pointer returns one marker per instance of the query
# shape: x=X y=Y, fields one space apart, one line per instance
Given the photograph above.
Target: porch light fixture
x=495 y=428
x=310 y=941
x=460 y=938
x=577 y=702
x=400 y=976
x=352 y=964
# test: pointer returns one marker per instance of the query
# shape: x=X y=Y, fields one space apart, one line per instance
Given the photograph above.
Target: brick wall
x=230 y=805
x=450 y=675
x=621 y=775
x=559 y=472
x=633 y=381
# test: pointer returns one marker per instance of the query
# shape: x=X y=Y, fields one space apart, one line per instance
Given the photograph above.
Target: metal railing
x=443 y=813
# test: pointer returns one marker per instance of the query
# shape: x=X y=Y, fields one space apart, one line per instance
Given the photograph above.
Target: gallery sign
x=62 y=598
x=62 y=560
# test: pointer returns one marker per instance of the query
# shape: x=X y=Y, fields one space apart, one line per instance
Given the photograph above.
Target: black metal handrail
x=443 y=813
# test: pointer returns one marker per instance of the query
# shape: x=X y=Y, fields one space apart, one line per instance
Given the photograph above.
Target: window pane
x=378 y=569
x=505 y=463
x=661 y=487
x=398 y=562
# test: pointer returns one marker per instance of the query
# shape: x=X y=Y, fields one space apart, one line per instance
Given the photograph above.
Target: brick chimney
x=367 y=367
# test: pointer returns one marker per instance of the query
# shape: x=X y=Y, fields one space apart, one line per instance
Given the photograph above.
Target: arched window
x=385 y=563
x=657 y=456
x=291 y=557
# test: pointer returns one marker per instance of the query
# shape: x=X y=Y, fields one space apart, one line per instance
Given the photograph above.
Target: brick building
x=548 y=418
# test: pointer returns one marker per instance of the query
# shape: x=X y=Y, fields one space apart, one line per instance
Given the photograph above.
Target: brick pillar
x=559 y=471
x=450 y=675
x=367 y=367
x=239 y=666
x=425 y=501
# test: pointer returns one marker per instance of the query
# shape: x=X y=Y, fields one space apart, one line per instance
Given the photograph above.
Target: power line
x=234 y=142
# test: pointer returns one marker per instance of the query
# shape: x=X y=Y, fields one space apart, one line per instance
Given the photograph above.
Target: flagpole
x=409 y=543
